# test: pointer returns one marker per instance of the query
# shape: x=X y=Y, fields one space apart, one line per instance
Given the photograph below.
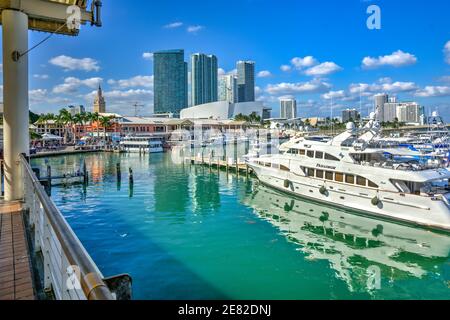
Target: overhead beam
x=47 y=16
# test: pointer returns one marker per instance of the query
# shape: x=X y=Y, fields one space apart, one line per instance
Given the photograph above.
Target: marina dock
x=218 y=163
x=15 y=270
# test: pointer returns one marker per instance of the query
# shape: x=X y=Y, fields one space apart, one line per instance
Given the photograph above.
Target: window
x=310 y=154
x=372 y=185
x=284 y=168
x=310 y=172
x=361 y=181
x=350 y=179
x=330 y=157
x=302 y=152
x=319 y=174
x=329 y=175
x=294 y=151
x=339 y=177
x=268 y=165
x=319 y=155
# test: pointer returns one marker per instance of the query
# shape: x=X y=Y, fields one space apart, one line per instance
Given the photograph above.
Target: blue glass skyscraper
x=170 y=81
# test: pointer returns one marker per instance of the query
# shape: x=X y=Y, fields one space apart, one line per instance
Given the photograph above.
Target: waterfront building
x=410 y=112
x=350 y=115
x=170 y=81
x=223 y=110
x=288 y=108
x=246 y=81
x=228 y=89
x=204 y=84
x=99 y=101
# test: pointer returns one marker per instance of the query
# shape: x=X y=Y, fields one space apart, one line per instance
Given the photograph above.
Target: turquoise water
x=184 y=232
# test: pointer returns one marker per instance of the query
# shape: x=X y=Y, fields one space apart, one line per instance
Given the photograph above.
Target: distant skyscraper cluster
x=171 y=81
x=389 y=109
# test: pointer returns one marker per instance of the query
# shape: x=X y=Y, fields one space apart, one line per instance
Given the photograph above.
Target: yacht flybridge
x=346 y=172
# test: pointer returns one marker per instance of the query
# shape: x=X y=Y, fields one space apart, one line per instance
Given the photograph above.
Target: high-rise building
x=389 y=112
x=228 y=88
x=74 y=110
x=288 y=109
x=380 y=100
x=350 y=115
x=99 y=101
x=410 y=112
x=170 y=81
x=203 y=78
x=246 y=81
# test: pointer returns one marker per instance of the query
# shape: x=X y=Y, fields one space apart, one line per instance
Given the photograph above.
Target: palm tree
x=79 y=119
x=95 y=117
x=65 y=118
x=44 y=119
x=105 y=122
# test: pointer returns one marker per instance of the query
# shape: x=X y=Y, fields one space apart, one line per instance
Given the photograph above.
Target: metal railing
x=69 y=272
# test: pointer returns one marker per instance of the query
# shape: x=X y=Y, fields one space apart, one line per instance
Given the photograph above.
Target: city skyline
x=291 y=61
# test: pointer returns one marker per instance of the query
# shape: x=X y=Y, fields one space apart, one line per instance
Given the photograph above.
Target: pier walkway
x=218 y=163
x=15 y=271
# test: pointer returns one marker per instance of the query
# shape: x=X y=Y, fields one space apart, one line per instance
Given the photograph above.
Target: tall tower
x=288 y=108
x=228 y=88
x=204 y=78
x=99 y=101
x=246 y=81
x=170 y=81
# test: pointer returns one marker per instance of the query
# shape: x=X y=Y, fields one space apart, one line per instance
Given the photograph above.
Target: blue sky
x=323 y=46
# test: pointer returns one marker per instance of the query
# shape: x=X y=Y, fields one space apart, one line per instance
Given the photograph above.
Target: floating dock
x=229 y=165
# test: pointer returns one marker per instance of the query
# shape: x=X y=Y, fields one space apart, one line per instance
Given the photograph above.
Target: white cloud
x=383 y=85
x=71 y=64
x=137 y=81
x=433 y=91
x=334 y=95
x=264 y=74
x=305 y=62
x=174 y=25
x=285 y=68
x=195 y=29
x=147 y=55
x=72 y=84
x=323 y=69
x=37 y=95
x=447 y=52
x=41 y=76
x=314 y=86
x=397 y=86
x=396 y=59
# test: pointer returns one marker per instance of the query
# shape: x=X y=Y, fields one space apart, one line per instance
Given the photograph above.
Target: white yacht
x=143 y=144
x=345 y=173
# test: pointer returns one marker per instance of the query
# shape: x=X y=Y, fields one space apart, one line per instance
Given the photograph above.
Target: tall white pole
x=15 y=99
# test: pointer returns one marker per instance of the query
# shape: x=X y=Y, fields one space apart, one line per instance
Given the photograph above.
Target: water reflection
x=354 y=245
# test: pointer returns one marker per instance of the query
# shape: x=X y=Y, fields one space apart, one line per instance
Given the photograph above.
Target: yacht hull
x=410 y=209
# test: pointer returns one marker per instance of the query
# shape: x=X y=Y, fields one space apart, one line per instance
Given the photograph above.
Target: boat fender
x=375 y=201
x=287 y=183
x=323 y=190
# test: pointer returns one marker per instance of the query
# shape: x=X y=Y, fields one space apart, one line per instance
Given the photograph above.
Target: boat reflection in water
x=358 y=248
